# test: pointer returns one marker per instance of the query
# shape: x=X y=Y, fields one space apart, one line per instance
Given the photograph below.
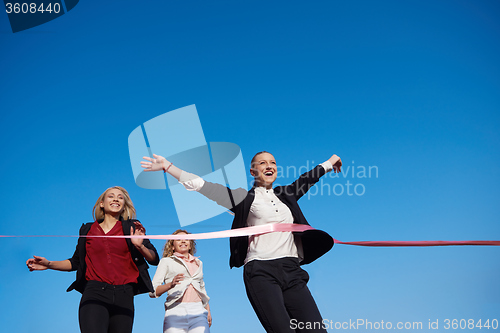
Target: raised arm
x=40 y=264
x=158 y=163
x=300 y=186
x=221 y=194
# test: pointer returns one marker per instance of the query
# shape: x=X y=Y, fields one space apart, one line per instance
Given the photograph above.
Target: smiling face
x=113 y=202
x=264 y=169
x=170 y=246
x=182 y=245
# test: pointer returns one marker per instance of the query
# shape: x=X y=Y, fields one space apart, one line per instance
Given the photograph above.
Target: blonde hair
x=128 y=211
x=168 y=250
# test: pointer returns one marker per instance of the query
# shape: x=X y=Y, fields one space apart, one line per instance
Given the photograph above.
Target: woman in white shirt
x=180 y=274
x=276 y=285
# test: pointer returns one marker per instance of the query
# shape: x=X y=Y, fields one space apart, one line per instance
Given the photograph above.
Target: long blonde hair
x=128 y=209
x=168 y=250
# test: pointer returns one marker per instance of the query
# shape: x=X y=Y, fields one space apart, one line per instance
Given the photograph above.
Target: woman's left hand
x=139 y=231
x=336 y=163
x=209 y=318
x=149 y=255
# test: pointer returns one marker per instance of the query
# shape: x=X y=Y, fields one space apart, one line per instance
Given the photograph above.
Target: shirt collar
x=188 y=258
x=261 y=189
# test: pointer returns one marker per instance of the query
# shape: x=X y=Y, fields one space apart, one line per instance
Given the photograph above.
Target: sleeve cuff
x=191 y=181
x=153 y=294
x=327 y=166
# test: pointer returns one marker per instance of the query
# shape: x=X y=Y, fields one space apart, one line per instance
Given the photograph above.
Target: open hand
x=139 y=231
x=154 y=164
x=177 y=279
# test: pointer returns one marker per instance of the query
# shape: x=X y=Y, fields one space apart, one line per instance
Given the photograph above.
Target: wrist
x=165 y=169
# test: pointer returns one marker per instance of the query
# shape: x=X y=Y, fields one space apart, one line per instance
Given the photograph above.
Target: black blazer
x=315 y=243
x=144 y=284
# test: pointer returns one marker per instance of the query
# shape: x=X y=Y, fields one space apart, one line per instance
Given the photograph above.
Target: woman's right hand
x=155 y=164
x=37 y=263
x=176 y=280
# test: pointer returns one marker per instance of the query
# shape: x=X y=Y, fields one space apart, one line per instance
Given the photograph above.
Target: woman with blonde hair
x=180 y=274
x=109 y=270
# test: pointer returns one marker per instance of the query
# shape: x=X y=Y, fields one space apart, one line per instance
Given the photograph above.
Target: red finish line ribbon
x=418 y=243
x=283 y=227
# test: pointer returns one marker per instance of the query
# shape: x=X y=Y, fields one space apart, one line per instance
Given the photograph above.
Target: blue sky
x=409 y=87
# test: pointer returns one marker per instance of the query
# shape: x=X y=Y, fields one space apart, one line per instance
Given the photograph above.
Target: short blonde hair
x=128 y=210
x=168 y=250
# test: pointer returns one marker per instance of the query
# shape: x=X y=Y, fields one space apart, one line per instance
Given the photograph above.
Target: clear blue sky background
x=411 y=87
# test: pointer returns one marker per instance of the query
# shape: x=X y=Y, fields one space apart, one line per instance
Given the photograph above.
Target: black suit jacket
x=144 y=284
x=315 y=243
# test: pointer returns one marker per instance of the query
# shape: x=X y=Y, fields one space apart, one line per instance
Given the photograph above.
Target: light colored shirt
x=267 y=208
x=190 y=295
x=168 y=268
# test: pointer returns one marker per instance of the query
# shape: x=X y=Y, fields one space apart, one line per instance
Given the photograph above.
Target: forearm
x=62 y=265
x=190 y=181
x=172 y=170
x=161 y=289
x=148 y=254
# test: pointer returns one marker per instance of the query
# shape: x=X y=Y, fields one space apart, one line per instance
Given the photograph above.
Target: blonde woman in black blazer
x=108 y=281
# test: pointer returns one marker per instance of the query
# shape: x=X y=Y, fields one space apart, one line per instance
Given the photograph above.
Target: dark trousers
x=277 y=290
x=105 y=308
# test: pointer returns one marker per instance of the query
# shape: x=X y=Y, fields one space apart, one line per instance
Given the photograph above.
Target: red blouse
x=108 y=259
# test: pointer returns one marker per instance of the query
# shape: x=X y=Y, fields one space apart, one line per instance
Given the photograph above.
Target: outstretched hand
x=336 y=162
x=154 y=164
x=37 y=263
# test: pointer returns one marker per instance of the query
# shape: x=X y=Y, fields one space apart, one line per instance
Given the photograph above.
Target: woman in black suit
x=276 y=285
